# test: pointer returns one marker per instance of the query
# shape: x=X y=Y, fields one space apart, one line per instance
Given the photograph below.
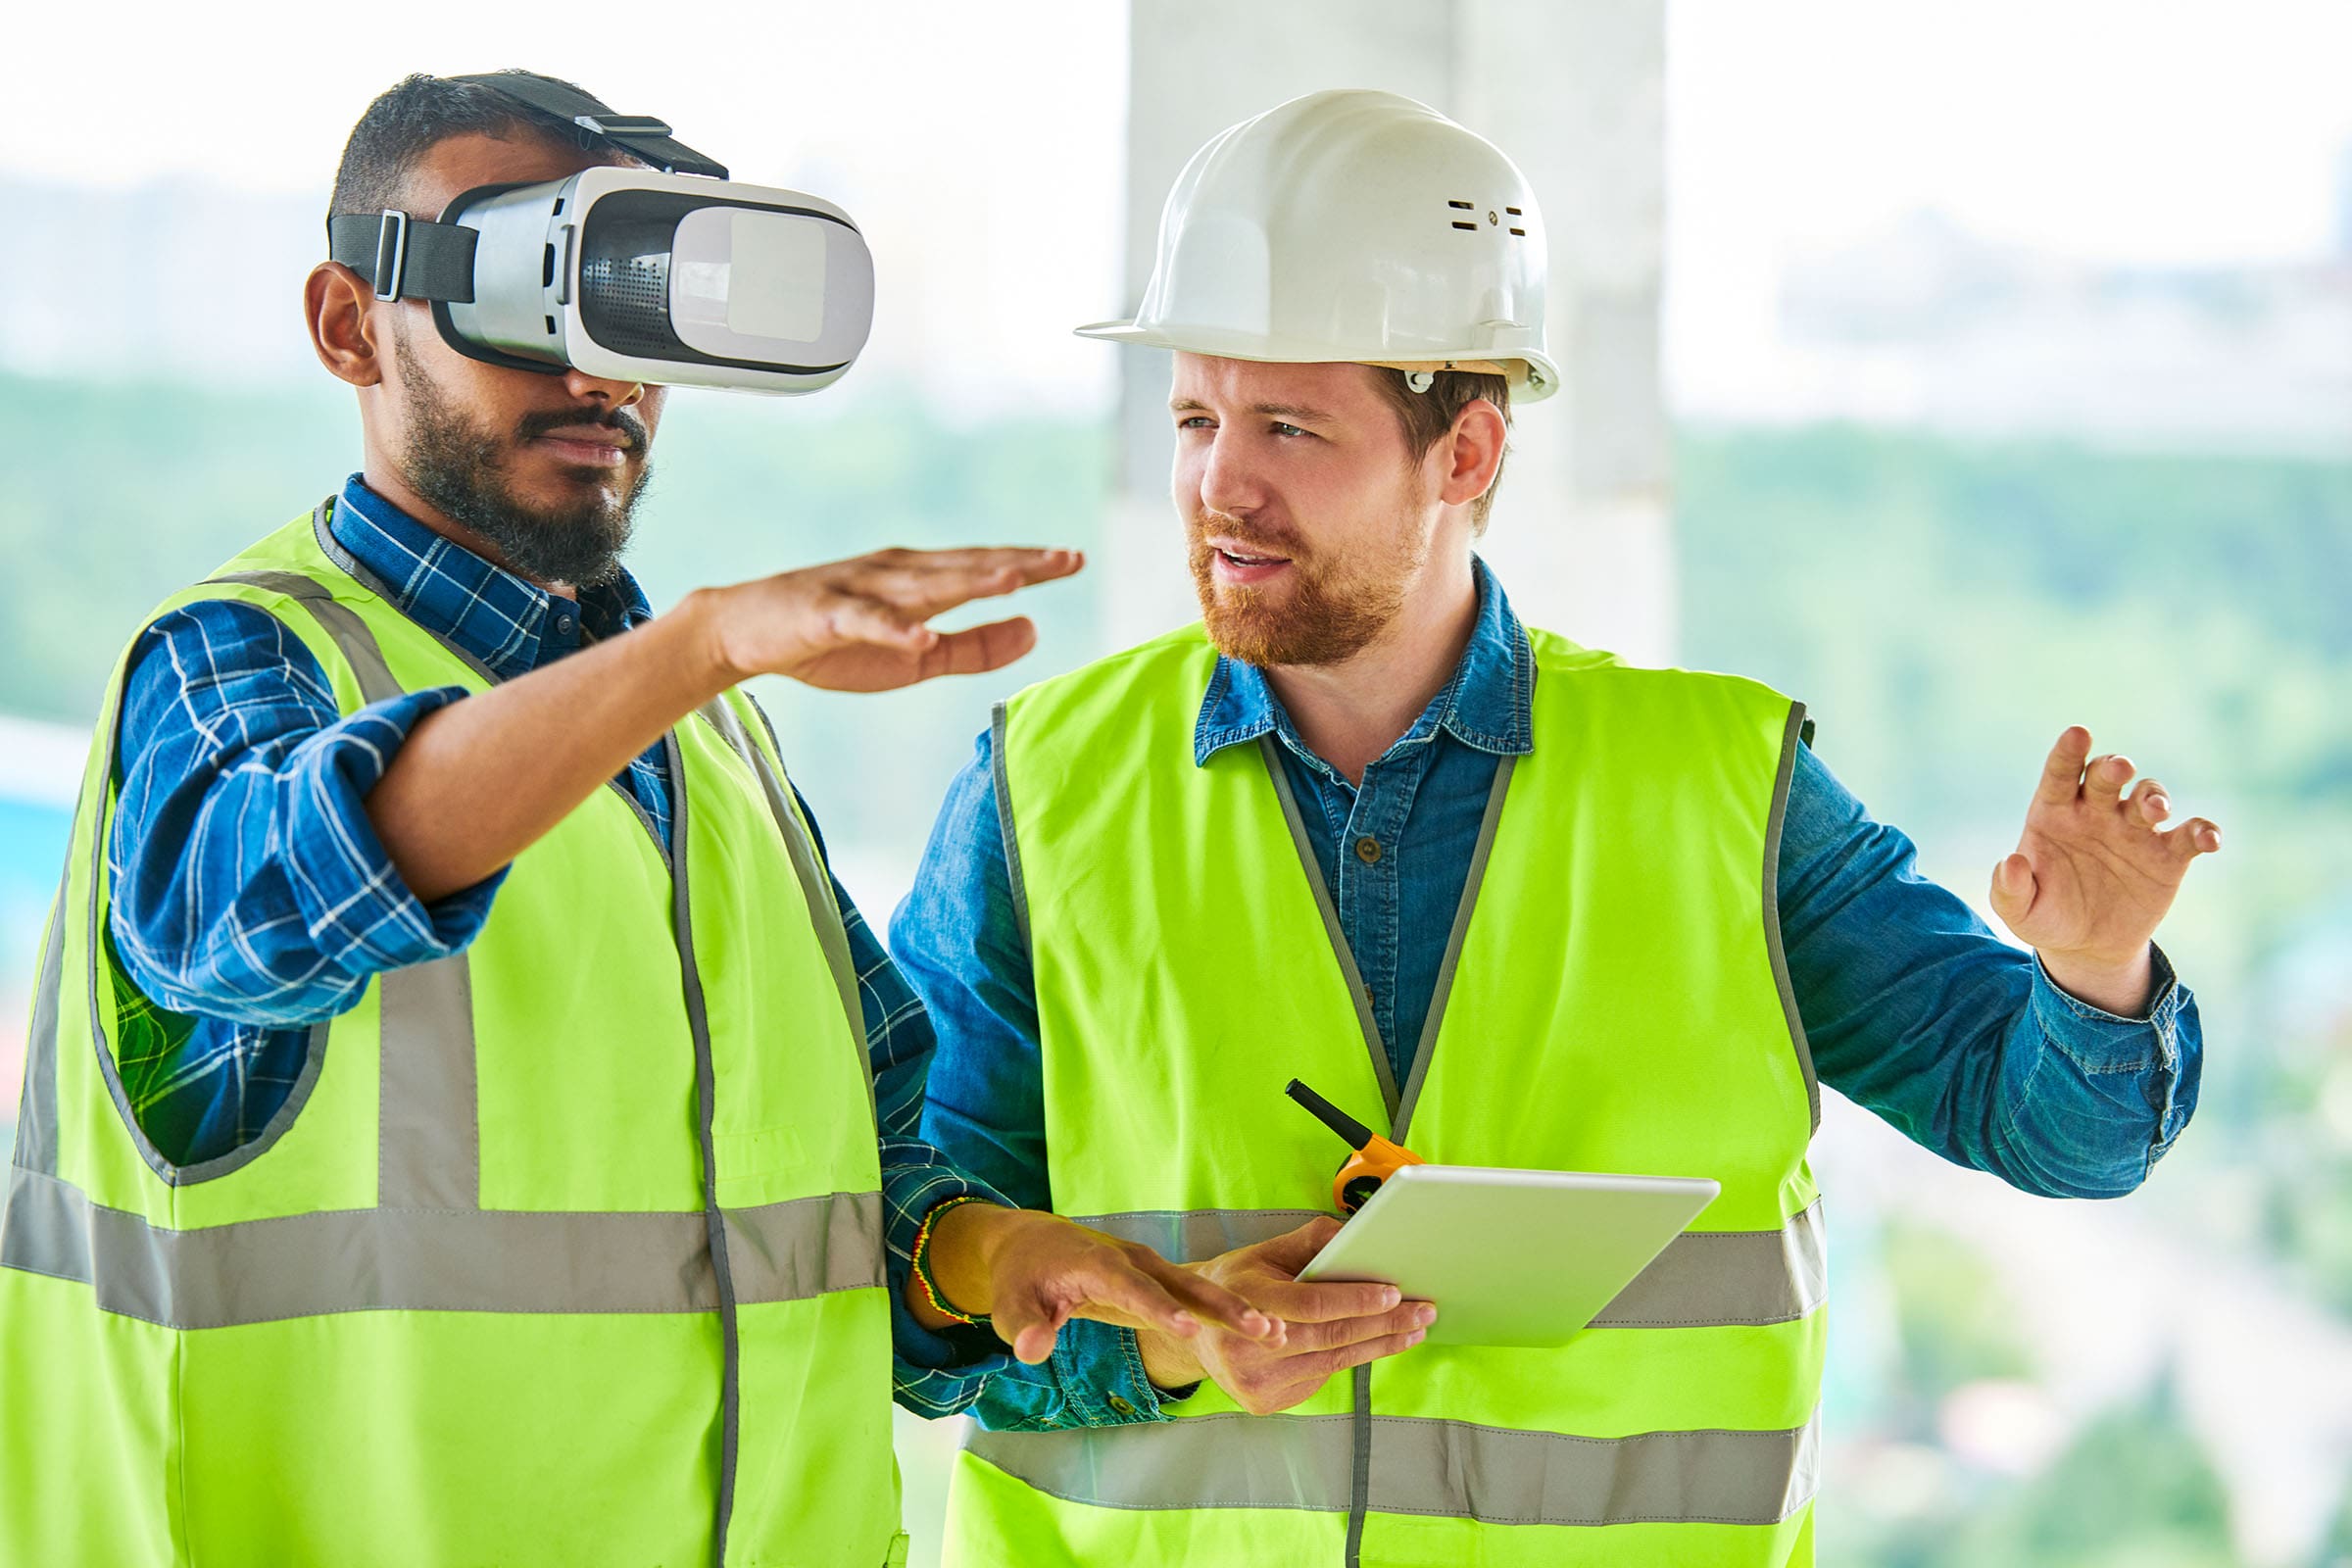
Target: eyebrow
x=1278 y=411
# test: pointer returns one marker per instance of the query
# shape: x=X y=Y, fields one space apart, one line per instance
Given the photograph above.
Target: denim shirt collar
x=1486 y=704
x=511 y=624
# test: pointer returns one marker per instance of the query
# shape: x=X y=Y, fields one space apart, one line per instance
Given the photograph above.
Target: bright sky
x=980 y=147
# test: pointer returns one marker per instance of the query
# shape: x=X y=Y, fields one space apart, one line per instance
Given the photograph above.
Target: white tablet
x=1523 y=1257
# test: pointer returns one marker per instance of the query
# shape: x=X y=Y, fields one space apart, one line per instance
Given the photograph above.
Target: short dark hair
x=1428 y=416
x=416 y=114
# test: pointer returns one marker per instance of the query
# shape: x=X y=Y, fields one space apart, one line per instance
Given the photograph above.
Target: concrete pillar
x=1574 y=92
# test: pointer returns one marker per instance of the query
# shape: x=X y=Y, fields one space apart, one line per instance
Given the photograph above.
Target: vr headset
x=680 y=277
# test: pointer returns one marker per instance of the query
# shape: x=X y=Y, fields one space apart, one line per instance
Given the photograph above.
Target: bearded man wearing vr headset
x=464 y=1121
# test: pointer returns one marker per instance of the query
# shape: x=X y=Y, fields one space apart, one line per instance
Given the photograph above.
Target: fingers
x=2148 y=803
x=979 y=649
x=1326 y=1303
x=2104 y=778
x=1210 y=1303
x=1262 y=1386
x=861 y=619
x=928 y=582
x=1363 y=1351
x=2194 y=837
x=1047 y=563
x=1121 y=1290
x=1340 y=1333
x=2062 y=772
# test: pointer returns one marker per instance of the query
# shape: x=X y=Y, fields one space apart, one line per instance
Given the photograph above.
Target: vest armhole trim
x=1793 y=735
x=997 y=726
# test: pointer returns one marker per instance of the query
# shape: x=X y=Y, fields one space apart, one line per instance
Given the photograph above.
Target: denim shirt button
x=1367 y=850
x=1119 y=1406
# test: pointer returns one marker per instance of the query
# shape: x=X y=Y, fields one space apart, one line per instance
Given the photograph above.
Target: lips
x=1240 y=566
x=590 y=445
x=1246 y=555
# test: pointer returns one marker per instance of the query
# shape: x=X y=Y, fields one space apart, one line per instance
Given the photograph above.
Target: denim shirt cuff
x=1100 y=1369
x=2099 y=1041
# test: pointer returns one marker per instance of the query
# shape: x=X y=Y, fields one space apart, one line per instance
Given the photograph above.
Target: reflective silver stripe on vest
x=427 y=1260
x=1452 y=1469
x=1704 y=1279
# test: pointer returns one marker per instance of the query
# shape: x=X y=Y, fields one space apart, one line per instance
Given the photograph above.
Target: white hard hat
x=1350 y=226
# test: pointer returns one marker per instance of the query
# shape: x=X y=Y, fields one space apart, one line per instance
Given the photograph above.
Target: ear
x=1472 y=451
x=336 y=304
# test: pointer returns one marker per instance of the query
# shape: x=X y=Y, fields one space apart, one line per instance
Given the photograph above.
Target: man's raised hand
x=862 y=625
x=2094 y=871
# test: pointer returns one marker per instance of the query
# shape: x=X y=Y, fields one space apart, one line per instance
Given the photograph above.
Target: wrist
x=1168 y=1363
x=963 y=1242
x=2120 y=985
x=701 y=618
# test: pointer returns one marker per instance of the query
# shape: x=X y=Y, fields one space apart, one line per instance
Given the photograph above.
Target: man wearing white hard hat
x=1500 y=896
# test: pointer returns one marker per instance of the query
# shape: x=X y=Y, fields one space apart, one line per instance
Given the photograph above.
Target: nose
x=607 y=394
x=1229 y=482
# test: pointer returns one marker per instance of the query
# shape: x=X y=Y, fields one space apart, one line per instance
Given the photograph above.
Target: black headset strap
x=404 y=257
x=640 y=136
x=412 y=258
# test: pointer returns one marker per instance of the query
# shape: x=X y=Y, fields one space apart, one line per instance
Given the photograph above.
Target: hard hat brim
x=1537 y=379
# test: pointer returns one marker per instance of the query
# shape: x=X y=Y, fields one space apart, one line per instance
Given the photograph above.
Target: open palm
x=862 y=625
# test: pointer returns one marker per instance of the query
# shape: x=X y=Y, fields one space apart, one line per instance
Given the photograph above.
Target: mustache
x=634 y=435
x=1248 y=535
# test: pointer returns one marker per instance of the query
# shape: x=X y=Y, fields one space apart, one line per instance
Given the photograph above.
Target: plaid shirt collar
x=511 y=624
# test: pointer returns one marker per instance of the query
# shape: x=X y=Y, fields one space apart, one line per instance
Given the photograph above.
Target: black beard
x=460 y=468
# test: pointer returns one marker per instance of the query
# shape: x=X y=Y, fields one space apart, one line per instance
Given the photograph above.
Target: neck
x=385 y=480
x=1349 y=714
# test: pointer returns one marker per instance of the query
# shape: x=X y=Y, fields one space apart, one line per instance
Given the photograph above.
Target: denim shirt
x=253 y=899
x=1912 y=1006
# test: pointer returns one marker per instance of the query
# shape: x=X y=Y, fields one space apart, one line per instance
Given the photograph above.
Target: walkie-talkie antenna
x=1355 y=1132
x=1371 y=1158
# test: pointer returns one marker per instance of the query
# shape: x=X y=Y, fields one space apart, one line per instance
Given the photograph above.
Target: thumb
x=1029 y=1332
x=2013 y=889
x=1292 y=1251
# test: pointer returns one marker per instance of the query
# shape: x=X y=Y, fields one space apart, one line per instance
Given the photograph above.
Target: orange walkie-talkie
x=1375 y=1160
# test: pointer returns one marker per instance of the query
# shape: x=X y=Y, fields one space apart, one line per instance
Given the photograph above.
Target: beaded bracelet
x=921 y=1259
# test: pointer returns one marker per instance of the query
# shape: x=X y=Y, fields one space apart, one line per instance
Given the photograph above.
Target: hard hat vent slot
x=1521 y=233
x=1473 y=227
x=1459 y=206
x=1514 y=211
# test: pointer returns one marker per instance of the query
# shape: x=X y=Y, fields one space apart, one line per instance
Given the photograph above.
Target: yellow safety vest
x=1613 y=999
x=571 y=1257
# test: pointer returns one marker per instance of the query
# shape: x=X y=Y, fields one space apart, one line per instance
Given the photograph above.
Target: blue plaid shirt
x=252 y=897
